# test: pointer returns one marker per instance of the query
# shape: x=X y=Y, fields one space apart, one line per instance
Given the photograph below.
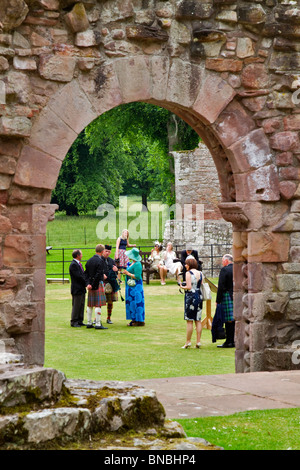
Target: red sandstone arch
x=239 y=148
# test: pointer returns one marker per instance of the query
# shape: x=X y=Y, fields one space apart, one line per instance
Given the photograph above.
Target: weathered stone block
x=102 y=88
x=258 y=185
x=255 y=76
x=251 y=14
x=53 y=137
x=183 y=88
x=57 y=67
x=87 y=38
x=19 y=385
x=215 y=94
x=13 y=13
x=49 y=424
x=37 y=169
x=193 y=10
x=134 y=78
x=268 y=247
x=73 y=107
x=250 y=152
x=288 y=282
x=146 y=33
x=15 y=127
x=224 y=65
x=285 y=141
x=77 y=18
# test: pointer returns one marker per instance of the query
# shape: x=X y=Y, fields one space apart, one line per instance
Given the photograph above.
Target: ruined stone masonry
x=197 y=184
x=229 y=68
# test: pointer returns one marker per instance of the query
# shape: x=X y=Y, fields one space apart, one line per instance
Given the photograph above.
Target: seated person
x=156 y=256
x=170 y=264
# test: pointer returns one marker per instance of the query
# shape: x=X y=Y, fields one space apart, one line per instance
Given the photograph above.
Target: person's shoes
x=100 y=327
x=90 y=325
x=226 y=345
x=198 y=345
x=109 y=321
x=76 y=325
x=186 y=346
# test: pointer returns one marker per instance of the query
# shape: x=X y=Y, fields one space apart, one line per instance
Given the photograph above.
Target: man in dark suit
x=225 y=298
x=189 y=252
x=78 y=289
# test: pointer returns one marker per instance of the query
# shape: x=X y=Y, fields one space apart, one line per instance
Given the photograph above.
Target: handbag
x=131 y=282
x=108 y=288
x=205 y=290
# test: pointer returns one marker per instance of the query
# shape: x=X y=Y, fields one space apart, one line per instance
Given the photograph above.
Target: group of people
x=101 y=280
x=166 y=261
x=194 y=300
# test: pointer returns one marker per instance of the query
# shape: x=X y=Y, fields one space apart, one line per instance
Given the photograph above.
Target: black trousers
x=77 y=315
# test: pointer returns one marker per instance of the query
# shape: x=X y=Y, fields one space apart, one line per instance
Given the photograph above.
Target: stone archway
x=65 y=62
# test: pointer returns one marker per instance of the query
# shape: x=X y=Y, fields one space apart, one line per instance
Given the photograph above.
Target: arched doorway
x=247 y=175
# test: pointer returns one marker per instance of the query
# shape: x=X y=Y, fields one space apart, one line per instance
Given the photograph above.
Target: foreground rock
x=40 y=409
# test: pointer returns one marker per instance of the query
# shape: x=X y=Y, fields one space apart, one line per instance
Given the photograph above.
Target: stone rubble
x=40 y=409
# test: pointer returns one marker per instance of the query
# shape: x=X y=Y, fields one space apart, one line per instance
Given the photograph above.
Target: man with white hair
x=225 y=298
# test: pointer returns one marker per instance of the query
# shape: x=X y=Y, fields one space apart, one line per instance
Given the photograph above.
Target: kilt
x=97 y=298
x=112 y=297
x=227 y=305
x=123 y=259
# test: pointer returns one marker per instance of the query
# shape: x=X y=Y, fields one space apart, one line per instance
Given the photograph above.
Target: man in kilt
x=225 y=298
x=111 y=272
x=94 y=273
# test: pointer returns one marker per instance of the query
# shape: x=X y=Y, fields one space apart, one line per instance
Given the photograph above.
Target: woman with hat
x=134 y=291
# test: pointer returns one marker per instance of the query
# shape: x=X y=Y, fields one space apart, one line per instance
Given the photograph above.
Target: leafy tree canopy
x=124 y=151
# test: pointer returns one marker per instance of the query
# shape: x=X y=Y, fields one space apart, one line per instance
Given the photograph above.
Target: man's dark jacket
x=77 y=278
x=94 y=270
x=225 y=283
x=112 y=275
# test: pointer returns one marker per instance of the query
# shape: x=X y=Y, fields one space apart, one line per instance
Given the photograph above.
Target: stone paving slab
x=219 y=395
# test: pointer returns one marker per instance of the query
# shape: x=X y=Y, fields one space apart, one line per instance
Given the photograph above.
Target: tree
x=124 y=150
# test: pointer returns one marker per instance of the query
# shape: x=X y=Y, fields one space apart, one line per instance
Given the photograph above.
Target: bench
x=147 y=270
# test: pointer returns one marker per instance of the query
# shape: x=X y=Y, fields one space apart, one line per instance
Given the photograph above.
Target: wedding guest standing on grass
x=134 y=291
x=94 y=272
x=111 y=272
x=120 y=253
x=225 y=298
x=78 y=289
x=192 y=301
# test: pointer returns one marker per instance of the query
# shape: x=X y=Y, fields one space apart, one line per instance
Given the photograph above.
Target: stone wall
x=229 y=68
x=197 y=183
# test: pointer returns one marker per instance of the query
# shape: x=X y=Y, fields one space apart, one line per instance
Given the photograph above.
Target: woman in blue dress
x=134 y=291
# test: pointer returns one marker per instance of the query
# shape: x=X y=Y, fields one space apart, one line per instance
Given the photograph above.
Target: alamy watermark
x=143 y=223
x=296 y=94
x=296 y=353
x=2 y=92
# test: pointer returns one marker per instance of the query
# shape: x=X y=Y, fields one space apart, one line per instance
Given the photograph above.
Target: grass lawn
x=125 y=353
x=154 y=351
x=251 y=430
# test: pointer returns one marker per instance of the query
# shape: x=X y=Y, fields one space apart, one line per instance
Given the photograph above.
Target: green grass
x=66 y=233
x=154 y=351
x=250 y=430
x=124 y=353
x=88 y=230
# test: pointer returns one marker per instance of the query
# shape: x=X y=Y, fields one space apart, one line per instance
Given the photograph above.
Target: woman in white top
x=169 y=265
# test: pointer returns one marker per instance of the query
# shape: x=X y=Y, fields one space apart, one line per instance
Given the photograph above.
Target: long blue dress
x=134 y=296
